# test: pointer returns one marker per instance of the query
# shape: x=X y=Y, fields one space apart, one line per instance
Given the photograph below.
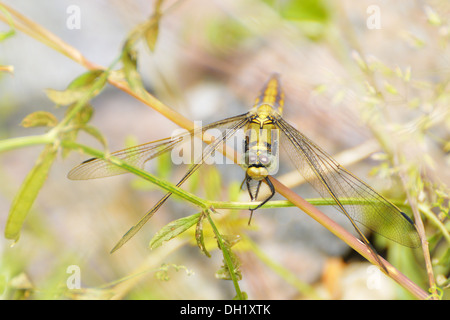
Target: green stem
x=20 y=142
x=287 y=203
x=434 y=219
x=141 y=173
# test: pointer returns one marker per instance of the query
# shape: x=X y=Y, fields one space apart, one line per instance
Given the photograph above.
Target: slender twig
x=421 y=230
x=348 y=238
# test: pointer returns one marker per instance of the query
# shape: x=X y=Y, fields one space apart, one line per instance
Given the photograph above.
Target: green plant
x=62 y=135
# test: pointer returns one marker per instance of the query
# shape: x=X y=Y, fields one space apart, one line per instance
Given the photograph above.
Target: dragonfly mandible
x=264 y=130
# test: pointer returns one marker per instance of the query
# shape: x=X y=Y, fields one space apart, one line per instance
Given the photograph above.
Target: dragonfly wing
x=138 y=155
x=232 y=127
x=332 y=180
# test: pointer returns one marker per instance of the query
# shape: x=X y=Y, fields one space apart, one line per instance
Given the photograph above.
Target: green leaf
x=83 y=116
x=172 y=230
x=85 y=80
x=305 y=10
x=224 y=272
x=7 y=34
x=39 y=119
x=199 y=235
x=64 y=97
x=151 y=33
x=432 y=17
x=152 y=26
x=129 y=61
x=28 y=192
x=390 y=88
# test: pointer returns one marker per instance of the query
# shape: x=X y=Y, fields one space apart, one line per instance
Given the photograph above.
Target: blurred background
x=357 y=75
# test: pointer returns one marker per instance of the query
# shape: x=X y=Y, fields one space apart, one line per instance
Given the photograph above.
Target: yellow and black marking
x=262 y=139
x=271 y=96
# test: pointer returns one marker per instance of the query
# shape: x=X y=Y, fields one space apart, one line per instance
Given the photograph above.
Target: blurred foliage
x=407 y=113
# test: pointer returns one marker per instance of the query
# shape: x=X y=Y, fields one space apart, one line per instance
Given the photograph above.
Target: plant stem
x=287 y=203
x=226 y=256
x=141 y=173
x=348 y=238
x=20 y=142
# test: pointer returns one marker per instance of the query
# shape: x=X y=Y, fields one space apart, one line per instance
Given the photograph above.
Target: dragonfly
x=264 y=131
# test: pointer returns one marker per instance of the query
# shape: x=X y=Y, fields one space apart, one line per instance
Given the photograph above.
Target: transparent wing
x=232 y=127
x=138 y=155
x=331 y=180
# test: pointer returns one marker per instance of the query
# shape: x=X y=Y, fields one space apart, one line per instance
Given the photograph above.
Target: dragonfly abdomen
x=271 y=97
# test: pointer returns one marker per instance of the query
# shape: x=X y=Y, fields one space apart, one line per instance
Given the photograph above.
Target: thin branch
x=348 y=238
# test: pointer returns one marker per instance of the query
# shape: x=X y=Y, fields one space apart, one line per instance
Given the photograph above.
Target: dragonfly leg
x=272 y=193
x=246 y=182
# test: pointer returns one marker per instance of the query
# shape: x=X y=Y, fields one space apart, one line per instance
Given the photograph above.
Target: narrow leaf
x=28 y=192
x=390 y=88
x=6 y=34
x=77 y=89
x=85 y=80
x=172 y=230
x=152 y=27
x=65 y=97
x=199 y=235
x=151 y=33
x=129 y=61
x=39 y=119
x=83 y=116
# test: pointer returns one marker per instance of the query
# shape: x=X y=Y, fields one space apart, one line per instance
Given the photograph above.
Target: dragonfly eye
x=252 y=159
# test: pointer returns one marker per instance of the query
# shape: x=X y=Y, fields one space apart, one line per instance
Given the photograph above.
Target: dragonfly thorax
x=265 y=113
x=257 y=173
x=260 y=157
